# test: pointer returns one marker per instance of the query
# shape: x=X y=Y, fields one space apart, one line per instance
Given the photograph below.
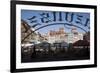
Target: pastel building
x=57 y=36
x=62 y=36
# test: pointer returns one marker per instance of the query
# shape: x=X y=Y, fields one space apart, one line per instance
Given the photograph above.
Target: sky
x=28 y=14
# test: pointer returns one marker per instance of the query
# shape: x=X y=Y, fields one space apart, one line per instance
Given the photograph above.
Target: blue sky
x=26 y=14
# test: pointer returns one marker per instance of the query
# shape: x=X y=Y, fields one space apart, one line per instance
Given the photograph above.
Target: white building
x=74 y=35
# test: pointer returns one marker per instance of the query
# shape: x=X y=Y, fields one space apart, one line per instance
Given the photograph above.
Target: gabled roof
x=26 y=25
x=81 y=43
